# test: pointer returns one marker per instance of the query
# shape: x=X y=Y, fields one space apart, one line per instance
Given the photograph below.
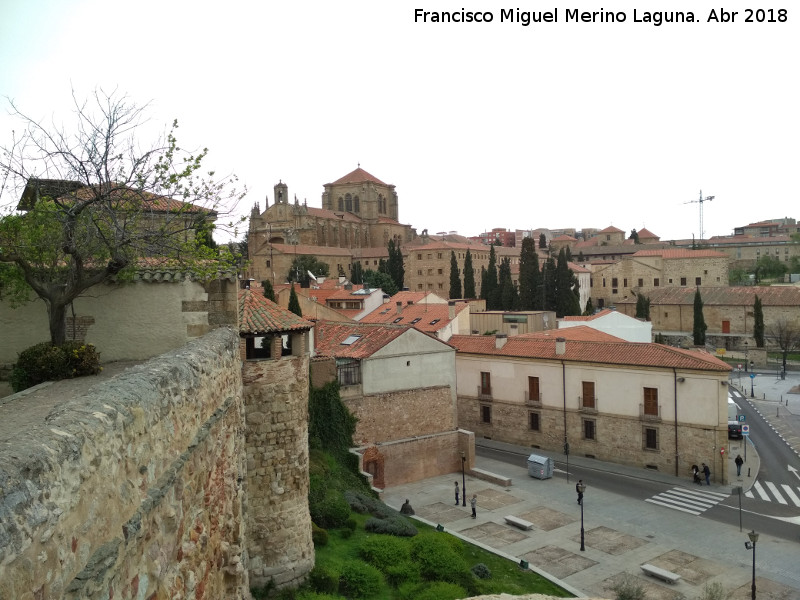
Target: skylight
x=397 y=320
x=435 y=321
x=417 y=320
x=351 y=339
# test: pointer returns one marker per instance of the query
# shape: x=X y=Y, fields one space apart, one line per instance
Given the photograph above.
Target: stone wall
x=134 y=489
x=278 y=522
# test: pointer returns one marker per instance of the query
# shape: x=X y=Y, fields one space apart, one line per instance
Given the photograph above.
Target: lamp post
x=745 y=356
x=752 y=379
x=751 y=545
x=581 y=487
x=463 y=480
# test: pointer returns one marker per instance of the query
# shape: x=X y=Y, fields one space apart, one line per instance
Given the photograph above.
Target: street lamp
x=752 y=379
x=751 y=545
x=463 y=480
x=581 y=487
x=745 y=356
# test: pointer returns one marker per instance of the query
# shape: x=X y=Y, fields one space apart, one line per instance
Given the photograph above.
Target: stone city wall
x=134 y=489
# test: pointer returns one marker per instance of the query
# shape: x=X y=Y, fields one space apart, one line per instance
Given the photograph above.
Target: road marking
x=757 y=487
x=774 y=489
x=792 y=496
x=686 y=500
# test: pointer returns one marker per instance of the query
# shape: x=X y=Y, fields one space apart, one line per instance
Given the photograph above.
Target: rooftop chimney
x=500 y=340
x=561 y=346
x=451 y=309
x=399 y=308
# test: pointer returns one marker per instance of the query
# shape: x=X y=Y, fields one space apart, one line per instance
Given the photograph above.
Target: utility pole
x=700 y=202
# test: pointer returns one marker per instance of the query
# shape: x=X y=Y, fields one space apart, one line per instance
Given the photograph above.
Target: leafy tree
x=294 y=303
x=634 y=236
x=699 y=329
x=758 y=322
x=508 y=295
x=497 y=242
x=356 y=273
x=455 y=277
x=786 y=335
x=529 y=277
x=737 y=276
x=269 y=291
x=542 y=241
x=303 y=265
x=643 y=307
x=112 y=200
x=378 y=279
x=769 y=267
x=469 y=276
x=394 y=265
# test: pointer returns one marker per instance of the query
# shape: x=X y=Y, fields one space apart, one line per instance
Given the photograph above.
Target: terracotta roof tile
x=602 y=313
x=607 y=353
x=579 y=333
x=611 y=229
x=358 y=176
x=429 y=318
x=646 y=234
x=258 y=314
x=329 y=337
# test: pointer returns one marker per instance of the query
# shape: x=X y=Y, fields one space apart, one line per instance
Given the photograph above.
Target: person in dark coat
x=739 y=462
x=696 y=475
x=707 y=473
x=456 y=493
x=406 y=508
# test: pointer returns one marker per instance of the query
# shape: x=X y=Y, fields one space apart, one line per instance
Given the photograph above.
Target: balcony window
x=587 y=399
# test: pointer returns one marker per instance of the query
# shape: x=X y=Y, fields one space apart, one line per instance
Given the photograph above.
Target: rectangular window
x=419 y=271
x=533 y=421
x=486 y=413
x=419 y=256
x=269 y=264
x=614 y=282
x=641 y=282
x=655 y=282
x=587 y=400
x=533 y=389
x=697 y=281
x=349 y=371
x=588 y=429
x=430 y=271
x=683 y=281
x=651 y=401
x=650 y=438
x=439 y=255
x=625 y=282
x=486 y=384
x=440 y=271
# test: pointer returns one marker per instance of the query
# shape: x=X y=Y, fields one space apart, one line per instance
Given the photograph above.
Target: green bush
x=345 y=533
x=359 y=580
x=481 y=571
x=331 y=512
x=391 y=526
x=384 y=551
x=437 y=560
x=351 y=524
x=441 y=590
x=318 y=535
x=323 y=580
x=45 y=362
x=402 y=573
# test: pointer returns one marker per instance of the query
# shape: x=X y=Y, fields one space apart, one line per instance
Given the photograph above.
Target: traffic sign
x=741 y=418
x=745 y=429
x=739 y=366
x=753 y=376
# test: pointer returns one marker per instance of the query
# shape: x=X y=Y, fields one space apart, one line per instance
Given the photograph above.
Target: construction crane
x=700 y=202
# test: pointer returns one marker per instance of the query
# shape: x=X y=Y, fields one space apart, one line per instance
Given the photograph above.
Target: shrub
x=351 y=524
x=437 y=559
x=628 y=588
x=323 y=580
x=84 y=359
x=359 y=580
x=391 y=526
x=441 y=590
x=318 y=535
x=713 y=591
x=45 y=362
x=346 y=533
x=481 y=571
x=384 y=551
x=331 y=512
x=402 y=573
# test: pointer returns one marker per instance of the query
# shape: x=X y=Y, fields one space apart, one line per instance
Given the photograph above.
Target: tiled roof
x=423 y=317
x=602 y=313
x=576 y=268
x=358 y=176
x=258 y=314
x=564 y=238
x=579 y=333
x=407 y=297
x=646 y=234
x=724 y=296
x=681 y=253
x=740 y=240
x=611 y=229
x=604 y=353
x=329 y=335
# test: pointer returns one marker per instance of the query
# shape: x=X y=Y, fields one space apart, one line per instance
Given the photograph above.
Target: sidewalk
x=620 y=533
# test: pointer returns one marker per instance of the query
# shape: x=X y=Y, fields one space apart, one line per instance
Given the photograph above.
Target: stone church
x=359 y=216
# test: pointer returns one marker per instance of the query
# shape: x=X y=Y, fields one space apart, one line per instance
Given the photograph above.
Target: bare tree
x=785 y=335
x=94 y=204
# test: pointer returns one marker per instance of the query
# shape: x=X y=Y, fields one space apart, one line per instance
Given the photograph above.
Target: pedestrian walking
x=707 y=473
x=739 y=462
x=456 y=493
x=473 y=502
x=578 y=487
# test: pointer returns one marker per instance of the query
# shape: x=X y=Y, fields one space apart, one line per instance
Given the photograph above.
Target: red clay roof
x=611 y=229
x=358 y=176
x=423 y=317
x=724 y=296
x=579 y=333
x=602 y=313
x=646 y=234
x=329 y=335
x=258 y=314
x=606 y=353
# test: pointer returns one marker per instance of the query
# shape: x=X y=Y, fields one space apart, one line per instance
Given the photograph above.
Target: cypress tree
x=356 y=273
x=542 y=241
x=758 y=323
x=549 y=285
x=455 y=277
x=269 y=291
x=469 y=277
x=491 y=293
x=566 y=303
x=699 y=329
x=529 y=278
x=589 y=310
x=394 y=266
x=507 y=291
x=643 y=307
x=294 y=303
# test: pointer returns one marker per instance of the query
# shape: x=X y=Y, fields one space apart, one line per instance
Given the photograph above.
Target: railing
x=649 y=415
x=587 y=405
x=535 y=401
x=484 y=393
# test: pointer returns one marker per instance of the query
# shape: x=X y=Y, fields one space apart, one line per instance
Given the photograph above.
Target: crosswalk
x=692 y=501
x=770 y=492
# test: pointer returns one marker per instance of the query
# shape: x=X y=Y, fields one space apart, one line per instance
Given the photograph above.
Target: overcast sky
x=479 y=125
